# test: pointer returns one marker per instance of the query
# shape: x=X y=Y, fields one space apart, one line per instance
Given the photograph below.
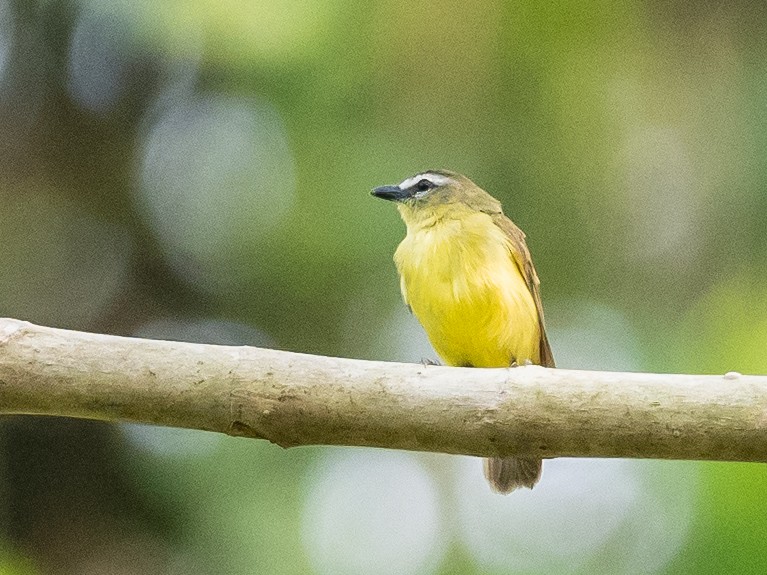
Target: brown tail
x=505 y=475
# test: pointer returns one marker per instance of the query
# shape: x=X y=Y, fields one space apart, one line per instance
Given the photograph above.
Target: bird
x=466 y=273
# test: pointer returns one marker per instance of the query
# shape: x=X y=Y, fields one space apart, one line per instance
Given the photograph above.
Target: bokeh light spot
x=7 y=26
x=587 y=334
x=204 y=330
x=401 y=338
x=662 y=195
x=171 y=441
x=373 y=512
x=97 y=60
x=572 y=518
x=59 y=266
x=216 y=177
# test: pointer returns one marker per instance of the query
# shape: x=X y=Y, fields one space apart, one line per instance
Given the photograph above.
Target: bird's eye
x=424 y=185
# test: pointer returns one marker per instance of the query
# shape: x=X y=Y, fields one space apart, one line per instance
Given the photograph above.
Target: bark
x=295 y=399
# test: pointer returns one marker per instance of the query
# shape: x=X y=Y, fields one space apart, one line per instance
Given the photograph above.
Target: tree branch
x=296 y=399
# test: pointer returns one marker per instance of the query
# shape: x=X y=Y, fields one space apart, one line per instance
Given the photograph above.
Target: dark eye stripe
x=425 y=185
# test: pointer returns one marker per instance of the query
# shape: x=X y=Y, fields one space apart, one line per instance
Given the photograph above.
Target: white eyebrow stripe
x=437 y=179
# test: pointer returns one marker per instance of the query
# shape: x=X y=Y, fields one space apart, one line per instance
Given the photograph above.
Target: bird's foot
x=427 y=361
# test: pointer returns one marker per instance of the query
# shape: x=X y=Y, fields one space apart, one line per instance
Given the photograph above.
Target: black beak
x=391 y=193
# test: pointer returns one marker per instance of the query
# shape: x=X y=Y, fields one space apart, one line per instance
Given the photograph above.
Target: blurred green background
x=200 y=171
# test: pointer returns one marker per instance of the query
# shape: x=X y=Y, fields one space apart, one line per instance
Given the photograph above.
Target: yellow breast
x=460 y=280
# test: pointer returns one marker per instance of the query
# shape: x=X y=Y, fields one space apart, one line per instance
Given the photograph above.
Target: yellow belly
x=460 y=280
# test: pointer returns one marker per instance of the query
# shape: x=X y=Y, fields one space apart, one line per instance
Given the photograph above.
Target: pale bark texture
x=294 y=399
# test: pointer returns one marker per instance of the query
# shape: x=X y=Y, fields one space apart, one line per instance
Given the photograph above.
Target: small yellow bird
x=466 y=274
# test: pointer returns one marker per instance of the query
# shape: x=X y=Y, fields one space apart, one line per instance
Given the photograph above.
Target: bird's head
x=426 y=188
x=436 y=191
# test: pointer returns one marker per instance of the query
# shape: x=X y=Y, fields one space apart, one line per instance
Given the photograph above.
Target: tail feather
x=507 y=474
